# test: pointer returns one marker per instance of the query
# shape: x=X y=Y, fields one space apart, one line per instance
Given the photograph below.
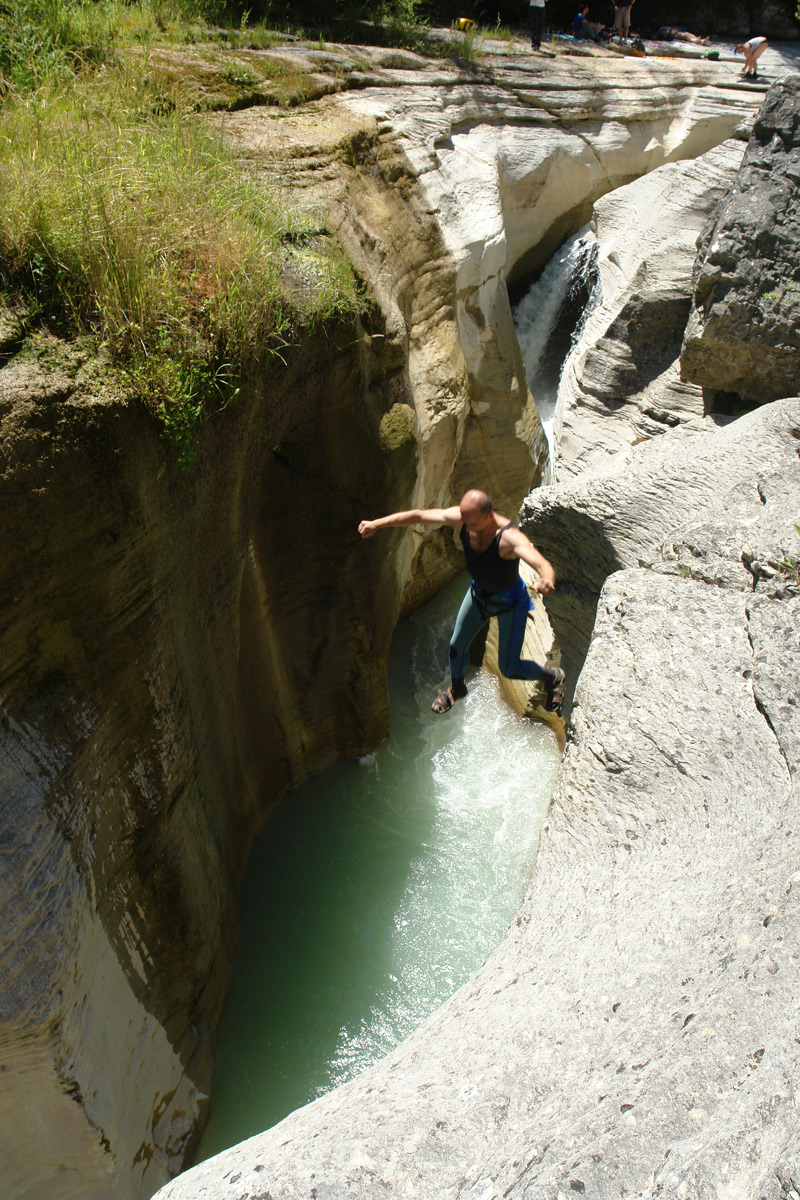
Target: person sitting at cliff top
x=752 y=51
x=582 y=27
x=493 y=547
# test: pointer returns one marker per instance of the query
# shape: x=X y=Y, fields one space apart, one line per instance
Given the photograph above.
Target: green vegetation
x=465 y=46
x=47 y=41
x=786 y=295
x=790 y=566
x=397 y=428
x=125 y=217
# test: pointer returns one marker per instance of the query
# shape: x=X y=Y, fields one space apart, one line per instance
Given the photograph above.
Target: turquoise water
x=378 y=887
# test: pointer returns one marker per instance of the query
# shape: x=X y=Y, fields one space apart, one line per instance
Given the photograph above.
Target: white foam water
x=550 y=318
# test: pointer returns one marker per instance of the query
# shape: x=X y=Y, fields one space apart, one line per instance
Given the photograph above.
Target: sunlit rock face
x=172 y=657
x=621 y=384
x=744 y=333
x=460 y=182
x=656 y=510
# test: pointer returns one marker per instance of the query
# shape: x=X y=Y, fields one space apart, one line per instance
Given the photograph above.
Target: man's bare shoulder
x=511 y=539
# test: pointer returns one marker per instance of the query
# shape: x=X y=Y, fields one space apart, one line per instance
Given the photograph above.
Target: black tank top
x=490 y=572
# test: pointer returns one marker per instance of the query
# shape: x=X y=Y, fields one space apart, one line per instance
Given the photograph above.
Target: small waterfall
x=550 y=318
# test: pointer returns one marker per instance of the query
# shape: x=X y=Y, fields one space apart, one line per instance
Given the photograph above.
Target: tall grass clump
x=124 y=217
x=465 y=46
x=46 y=40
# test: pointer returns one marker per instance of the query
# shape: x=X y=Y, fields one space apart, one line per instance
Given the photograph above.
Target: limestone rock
x=744 y=333
x=635 y=1032
x=719 y=508
x=620 y=385
x=172 y=659
x=444 y=184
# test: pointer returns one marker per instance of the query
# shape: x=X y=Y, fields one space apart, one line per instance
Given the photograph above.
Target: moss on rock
x=397 y=427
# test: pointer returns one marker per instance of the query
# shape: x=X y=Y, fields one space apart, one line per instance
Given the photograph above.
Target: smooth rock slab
x=720 y=508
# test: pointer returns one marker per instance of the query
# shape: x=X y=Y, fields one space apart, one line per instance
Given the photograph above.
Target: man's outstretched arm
x=414 y=516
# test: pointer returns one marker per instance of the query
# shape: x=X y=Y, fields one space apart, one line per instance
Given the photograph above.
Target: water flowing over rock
x=744 y=333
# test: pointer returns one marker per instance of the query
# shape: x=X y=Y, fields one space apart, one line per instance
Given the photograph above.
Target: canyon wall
x=622 y=381
x=170 y=665
x=176 y=654
x=465 y=181
x=635 y=1032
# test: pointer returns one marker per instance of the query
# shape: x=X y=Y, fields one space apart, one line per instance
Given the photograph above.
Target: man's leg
x=511 y=627
x=469 y=621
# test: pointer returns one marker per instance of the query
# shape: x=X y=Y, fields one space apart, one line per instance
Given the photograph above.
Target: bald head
x=476 y=502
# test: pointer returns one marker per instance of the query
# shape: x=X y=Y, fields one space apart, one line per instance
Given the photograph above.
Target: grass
x=465 y=46
x=206 y=78
x=125 y=217
x=45 y=41
x=790 y=566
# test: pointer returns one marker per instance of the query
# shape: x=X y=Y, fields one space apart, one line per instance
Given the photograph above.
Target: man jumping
x=493 y=547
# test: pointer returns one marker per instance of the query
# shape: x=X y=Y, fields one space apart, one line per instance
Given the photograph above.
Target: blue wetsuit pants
x=511 y=609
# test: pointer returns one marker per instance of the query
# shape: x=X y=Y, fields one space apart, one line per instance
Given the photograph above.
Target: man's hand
x=545 y=587
x=367 y=528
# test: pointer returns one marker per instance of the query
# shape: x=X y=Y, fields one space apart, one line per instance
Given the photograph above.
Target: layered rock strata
x=744 y=332
x=173 y=655
x=506 y=160
x=635 y=1032
x=621 y=384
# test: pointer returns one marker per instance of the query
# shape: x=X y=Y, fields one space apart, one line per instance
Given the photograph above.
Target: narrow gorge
x=175 y=658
